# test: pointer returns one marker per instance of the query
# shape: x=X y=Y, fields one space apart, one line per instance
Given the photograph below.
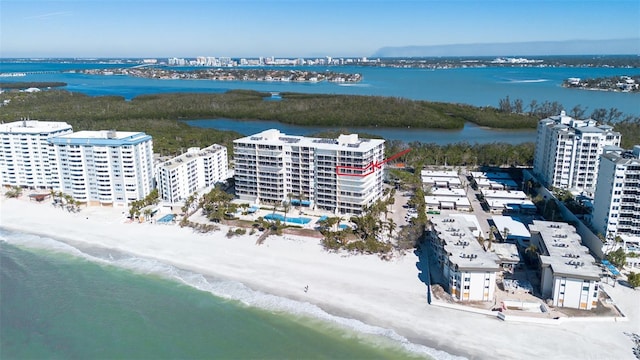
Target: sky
x=296 y=28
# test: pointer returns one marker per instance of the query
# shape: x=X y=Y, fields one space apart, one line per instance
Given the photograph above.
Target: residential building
x=568 y=152
x=569 y=275
x=616 y=207
x=445 y=199
x=468 y=270
x=493 y=180
x=342 y=175
x=108 y=168
x=508 y=201
x=440 y=179
x=26 y=155
x=196 y=169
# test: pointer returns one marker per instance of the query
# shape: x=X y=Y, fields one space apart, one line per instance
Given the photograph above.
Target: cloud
x=48 y=15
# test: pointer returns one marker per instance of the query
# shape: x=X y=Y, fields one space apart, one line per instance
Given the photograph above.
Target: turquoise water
x=59 y=302
x=167 y=218
x=295 y=220
x=474 y=86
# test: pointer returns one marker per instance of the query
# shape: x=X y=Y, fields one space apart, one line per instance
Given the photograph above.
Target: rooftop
x=33 y=126
x=503 y=194
x=343 y=142
x=516 y=228
x=101 y=138
x=461 y=245
x=436 y=173
x=192 y=154
x=565 y=253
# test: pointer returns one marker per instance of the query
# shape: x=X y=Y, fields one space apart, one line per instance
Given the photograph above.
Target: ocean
x=474 y=86
x=64 y=302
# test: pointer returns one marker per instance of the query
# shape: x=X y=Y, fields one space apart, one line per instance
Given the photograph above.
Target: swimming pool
x=167 y=218
x=295 y=220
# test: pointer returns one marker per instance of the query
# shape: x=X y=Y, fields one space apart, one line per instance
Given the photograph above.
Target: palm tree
x=147 y=214
x=492 y=236
x=532 y=253
x=505 y=233
x=391 y=226
x=286 y=206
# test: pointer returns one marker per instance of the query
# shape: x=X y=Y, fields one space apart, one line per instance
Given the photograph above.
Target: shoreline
x=386 y=294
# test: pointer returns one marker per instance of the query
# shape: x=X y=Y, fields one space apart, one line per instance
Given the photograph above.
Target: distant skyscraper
x=568 y=151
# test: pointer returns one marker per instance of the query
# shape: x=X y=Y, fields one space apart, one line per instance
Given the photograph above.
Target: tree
x=532 y=107
x=577 y=112
x=286 y=206
x=492 y=236
x=617 y=258
x=504 y=105
x=14 y=192
x=531 y=254
x=391 y=226
x=505 y=233
x=634 y=279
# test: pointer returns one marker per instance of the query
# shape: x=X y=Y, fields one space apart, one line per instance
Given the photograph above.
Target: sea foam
x=226 y=289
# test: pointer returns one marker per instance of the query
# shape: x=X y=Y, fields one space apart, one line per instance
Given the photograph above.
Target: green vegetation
x=170 y=136
x=65 y=201
x=618 y=258
x=158 y=115
x=463 y=154
x=216 y=205
x=627 y=125
x=14 y=192
x=299 y=109
x=634 y=279
x=26 y=85
x=372 y=234
x=152 y=199
x=630 y=130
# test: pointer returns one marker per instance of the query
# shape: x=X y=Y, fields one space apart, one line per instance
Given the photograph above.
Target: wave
x=513 y=81
x=354 y=85
x=225 y=289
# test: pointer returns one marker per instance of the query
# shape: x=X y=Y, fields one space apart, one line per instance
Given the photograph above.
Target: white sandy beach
x=388 y=294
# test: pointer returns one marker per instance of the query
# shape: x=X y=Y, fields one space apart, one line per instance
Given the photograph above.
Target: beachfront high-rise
x=26 y=155
x=616 y=209
x=342 y=175
x=181 y=176
x=568 y=152
x=108 y=168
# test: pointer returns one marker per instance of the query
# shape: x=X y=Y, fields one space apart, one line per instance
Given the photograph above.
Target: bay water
x=60 y=301
x=478 y=86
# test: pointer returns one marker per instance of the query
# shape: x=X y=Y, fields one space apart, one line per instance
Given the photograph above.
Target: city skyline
x=307 y=28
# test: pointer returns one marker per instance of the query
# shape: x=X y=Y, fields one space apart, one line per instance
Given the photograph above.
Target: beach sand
x=388 y=294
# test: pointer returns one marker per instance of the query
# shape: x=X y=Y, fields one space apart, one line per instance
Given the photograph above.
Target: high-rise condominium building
x=181 y=176
x=26 y=155
x=568 y=151
x=104 y=167
x=341 y=175
x=616 y=206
